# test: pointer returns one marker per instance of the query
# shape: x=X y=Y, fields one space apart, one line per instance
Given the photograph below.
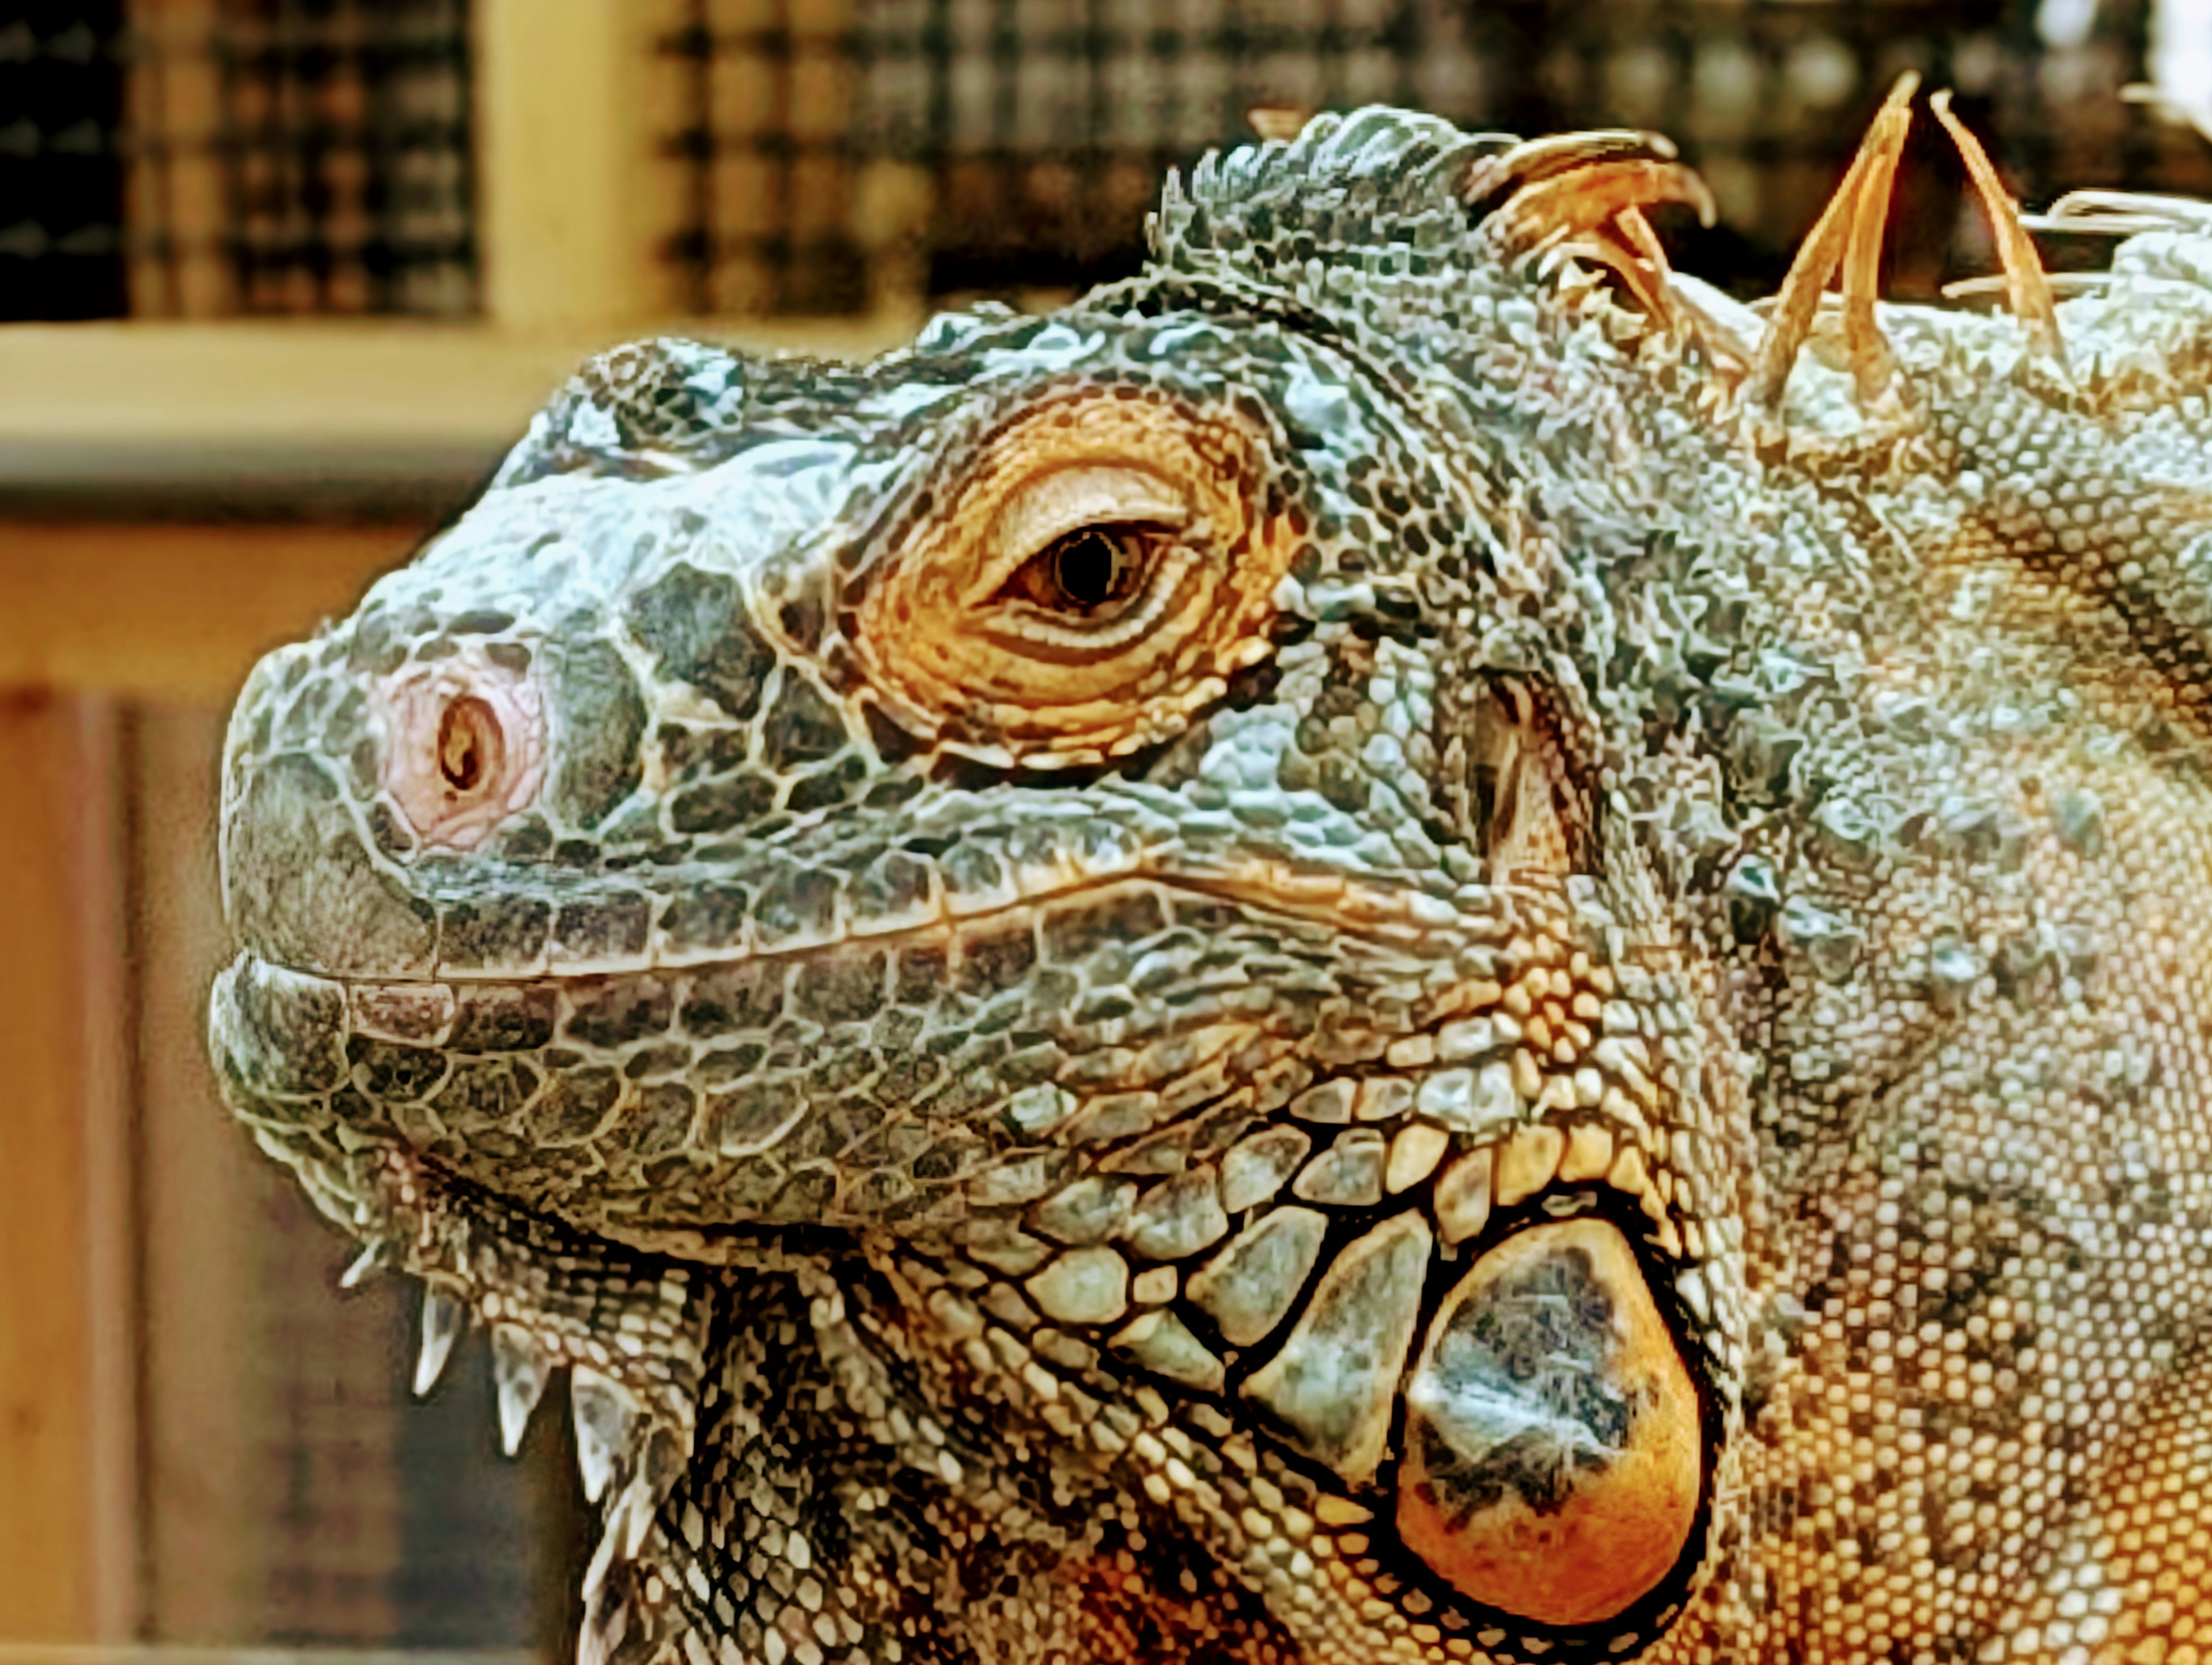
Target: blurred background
x=281 y=278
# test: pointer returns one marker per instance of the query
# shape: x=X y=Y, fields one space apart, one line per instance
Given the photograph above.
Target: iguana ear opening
x=1503 y=784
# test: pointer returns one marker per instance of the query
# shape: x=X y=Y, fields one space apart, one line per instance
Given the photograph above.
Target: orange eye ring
x=1554 y=1447
x=1095 y=575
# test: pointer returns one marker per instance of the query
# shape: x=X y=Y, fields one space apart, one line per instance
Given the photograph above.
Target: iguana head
x=1087 y=975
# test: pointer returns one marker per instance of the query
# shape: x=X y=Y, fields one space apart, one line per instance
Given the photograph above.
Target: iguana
x=1405 y=942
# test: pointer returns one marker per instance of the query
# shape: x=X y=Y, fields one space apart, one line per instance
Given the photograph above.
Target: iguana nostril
x=1554 y=1451
x=469 y=746
x=463 y=745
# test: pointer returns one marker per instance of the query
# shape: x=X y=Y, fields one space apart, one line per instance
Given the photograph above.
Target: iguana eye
x=1092 y=574
x=1076 y=539
x=1085 y=571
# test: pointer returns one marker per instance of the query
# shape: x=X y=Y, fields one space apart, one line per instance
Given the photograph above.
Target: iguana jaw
x=1491 y=984
x=1533 y=1076
x=544 y=1295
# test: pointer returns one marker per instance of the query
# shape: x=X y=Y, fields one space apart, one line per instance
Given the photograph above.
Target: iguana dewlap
x=1405 y=943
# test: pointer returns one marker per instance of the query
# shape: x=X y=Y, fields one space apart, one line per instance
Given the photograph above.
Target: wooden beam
x=173 y=612
x=214 y=412
x=205 y=1207
x=146 y=397
x=67 y=1424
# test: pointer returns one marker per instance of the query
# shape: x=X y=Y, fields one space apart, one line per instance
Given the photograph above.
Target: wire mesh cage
x=193 y=157
x=302 y=155
x=236 y=156
x=943 y=146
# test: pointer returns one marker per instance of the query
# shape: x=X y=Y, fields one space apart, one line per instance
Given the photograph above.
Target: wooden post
x=572 y=193
x=68 y=1421
x=201 y=1210
x=106 y=1025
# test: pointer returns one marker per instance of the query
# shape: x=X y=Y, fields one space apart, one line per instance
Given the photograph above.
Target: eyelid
x=1069 y=499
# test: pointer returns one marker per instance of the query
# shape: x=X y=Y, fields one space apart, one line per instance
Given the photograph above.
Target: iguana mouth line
x=435 y=1188
x=1557 y=1200
x=1406 y=917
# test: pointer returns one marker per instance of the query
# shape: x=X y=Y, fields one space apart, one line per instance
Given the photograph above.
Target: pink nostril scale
x=462 y=745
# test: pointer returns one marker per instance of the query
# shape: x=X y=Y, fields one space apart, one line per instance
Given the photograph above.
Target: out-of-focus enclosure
x=282 y=279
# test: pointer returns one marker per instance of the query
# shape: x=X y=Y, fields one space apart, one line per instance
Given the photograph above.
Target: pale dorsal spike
x=1533 y=160
x=519 y=1367
x=1685 y=303
x=442 y=1317
x=2027 y=287
x=2099 y=225
x=2175 y=111
x=1578 y=201
x=2061 y=282
x=1796 y=305
x=1644 y=265
x=2123 y=213
x=1868 y=353
x=1628 y=247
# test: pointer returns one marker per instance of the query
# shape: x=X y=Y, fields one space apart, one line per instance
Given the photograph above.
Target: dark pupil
x=1086 y=567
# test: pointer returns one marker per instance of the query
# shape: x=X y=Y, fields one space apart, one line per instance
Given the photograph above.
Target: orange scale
x=1555 y=1451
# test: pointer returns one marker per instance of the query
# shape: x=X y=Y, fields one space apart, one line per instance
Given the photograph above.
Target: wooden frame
x=63 y=1268
x=175 y=498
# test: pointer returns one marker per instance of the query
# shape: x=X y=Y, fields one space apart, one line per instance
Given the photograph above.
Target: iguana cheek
x=1554 y=1454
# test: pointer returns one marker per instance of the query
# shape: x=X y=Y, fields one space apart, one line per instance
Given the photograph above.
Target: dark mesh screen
x=207 y=156
x=929 y=147
x=764 y=132
x=314 y=153
x=236 y=156
x=61 y=178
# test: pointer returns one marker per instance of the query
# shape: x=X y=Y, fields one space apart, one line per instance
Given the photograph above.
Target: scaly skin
x=1526 y=1008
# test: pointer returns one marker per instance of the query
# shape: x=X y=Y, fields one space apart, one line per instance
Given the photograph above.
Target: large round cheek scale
x=1554 y=1453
